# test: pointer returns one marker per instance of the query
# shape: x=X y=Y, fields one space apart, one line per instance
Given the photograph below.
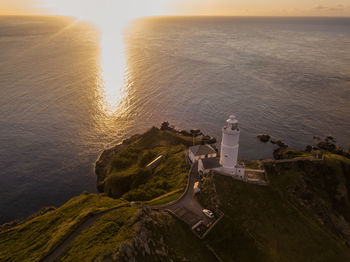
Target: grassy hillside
x=104 y=236
x=275 y=223
x=133 y=234
x=303 y=215
x=35 y=238
x=128 y=177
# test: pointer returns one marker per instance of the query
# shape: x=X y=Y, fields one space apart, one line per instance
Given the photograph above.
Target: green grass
x=158 y=229
x=268 y=224
x=260 y=223
x=290 y=153
x=252 y=164
x=106 y=234
x=166 y=198
x=32 y=240
x=128 y=178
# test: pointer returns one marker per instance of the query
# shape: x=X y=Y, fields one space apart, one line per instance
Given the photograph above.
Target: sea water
x=288 y=77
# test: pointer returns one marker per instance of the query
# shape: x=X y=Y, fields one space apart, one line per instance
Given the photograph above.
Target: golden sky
x=136 y=8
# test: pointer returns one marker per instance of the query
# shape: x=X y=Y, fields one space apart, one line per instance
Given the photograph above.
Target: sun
x=103 y=11
x=111 y=18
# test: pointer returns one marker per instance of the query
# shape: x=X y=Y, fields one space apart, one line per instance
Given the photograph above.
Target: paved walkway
x=187 y=207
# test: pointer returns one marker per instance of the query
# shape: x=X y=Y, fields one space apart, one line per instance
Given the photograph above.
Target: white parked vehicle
x=208 y=213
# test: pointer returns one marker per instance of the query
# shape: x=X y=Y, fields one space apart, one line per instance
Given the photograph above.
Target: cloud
x=320 y=7
x=331 y=8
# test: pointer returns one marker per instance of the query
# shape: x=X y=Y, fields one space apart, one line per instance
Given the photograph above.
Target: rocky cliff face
x=103 y=162
x=159 y=237
x=147 y=242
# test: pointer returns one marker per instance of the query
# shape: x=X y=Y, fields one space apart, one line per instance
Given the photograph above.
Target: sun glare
x=111 y=17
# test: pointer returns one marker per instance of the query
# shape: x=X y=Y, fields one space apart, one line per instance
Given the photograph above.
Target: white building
x=229 y=148
x=208 y=164
x=227 y=164
x=200 y=152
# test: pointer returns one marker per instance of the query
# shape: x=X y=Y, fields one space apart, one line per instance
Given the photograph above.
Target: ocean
x=288 y=77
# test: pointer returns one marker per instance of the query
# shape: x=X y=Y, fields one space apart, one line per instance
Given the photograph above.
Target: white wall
x=201 y=168
x=229 y=149
x=191 y=156
x=240 y=172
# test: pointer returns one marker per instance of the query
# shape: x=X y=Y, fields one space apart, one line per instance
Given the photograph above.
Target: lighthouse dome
x=232 y=120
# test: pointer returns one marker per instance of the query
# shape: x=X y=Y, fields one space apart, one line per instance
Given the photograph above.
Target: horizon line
x=186 y=15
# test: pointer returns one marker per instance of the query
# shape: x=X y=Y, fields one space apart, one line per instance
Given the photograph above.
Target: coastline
x=101 y=164
x=290 y=192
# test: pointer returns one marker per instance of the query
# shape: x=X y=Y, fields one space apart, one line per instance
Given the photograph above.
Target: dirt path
x=61 y=248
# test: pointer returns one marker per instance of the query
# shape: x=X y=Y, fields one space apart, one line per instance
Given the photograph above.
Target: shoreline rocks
x=263 y=137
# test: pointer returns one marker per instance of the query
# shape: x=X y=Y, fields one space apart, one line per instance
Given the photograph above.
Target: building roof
x=209 y=163
x=200 y=150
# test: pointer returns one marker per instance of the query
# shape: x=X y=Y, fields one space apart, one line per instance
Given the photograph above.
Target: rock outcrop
x=104 y=160
x=148 y=243
x=263 y=137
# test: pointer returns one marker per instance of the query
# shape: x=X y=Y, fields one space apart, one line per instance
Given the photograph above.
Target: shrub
x=121 y=163
x=140 y=176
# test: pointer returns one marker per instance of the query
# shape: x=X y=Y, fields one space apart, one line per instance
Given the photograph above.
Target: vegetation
x=175 y=239
x=106 y=234
x=127 y=176
x=329 y=144
x=252 y=164
x=292 y=219
x=32 y=240
x=166 y=198
x=290 y=153
x=303 y=215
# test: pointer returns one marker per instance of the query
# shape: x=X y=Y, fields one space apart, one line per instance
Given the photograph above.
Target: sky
x=137 y=8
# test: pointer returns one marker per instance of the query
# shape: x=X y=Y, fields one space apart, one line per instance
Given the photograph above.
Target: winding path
x=57 y=252
x=187 y=202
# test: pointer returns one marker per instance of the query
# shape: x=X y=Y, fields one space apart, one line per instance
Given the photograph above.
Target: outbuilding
x=208 y=164
x=240 y=170
x=201 y=152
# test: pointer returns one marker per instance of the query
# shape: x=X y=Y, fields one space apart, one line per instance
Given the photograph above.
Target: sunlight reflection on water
x=113 y=69
x=73 y=92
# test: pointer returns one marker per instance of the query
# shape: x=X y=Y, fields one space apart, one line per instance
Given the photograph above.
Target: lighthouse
x=229 y=145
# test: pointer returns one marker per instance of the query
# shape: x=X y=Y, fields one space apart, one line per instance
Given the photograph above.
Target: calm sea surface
x=288 y=77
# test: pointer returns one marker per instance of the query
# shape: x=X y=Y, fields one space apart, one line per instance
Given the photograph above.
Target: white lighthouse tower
x=229 y=146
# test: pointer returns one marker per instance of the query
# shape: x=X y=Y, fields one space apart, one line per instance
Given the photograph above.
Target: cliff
x=121 y=171
x=302 y=215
